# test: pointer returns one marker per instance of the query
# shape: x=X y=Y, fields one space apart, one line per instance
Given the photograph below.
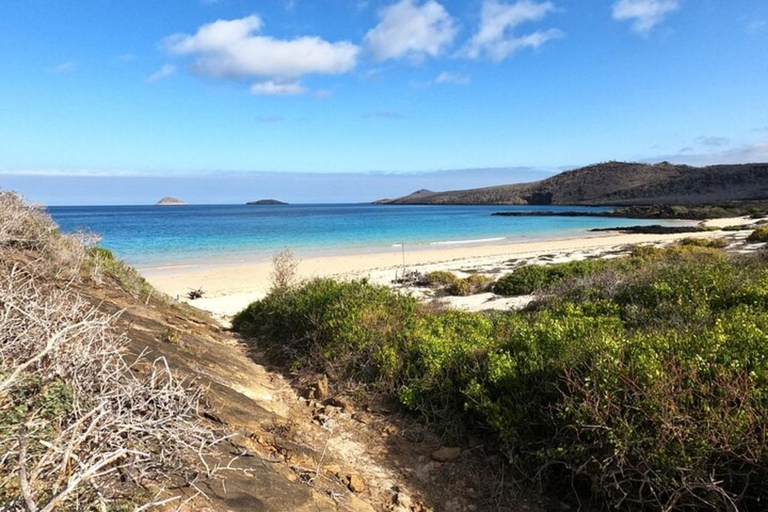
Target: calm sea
x=148 y=236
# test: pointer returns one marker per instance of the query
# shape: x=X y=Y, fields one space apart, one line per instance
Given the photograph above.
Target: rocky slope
x=619 y=183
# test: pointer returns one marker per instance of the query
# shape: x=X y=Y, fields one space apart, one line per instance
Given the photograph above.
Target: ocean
x=151 y=236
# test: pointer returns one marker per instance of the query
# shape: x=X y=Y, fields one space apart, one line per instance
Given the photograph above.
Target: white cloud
x=233 y=49
x=714 y=142
x=747 y=154
x=452 y=78
x=495 y=39
x=409 y=28
x=644 y=14
x=164 y=72
x=63 y=67
x=272 y=88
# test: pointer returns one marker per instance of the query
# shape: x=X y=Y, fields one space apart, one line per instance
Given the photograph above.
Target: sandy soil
x=230 y=288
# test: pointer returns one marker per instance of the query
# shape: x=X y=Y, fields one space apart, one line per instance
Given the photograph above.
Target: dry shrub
x=284 y=267
x=81 y=427
x=28 y=233
x=79 y=422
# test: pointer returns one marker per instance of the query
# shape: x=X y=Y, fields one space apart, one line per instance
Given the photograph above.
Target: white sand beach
x=231 y=287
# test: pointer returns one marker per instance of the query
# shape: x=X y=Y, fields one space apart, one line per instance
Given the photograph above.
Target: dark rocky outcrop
x=620 y=183
x=266 y=202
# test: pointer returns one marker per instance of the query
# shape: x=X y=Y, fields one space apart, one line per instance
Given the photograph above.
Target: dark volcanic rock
x=266 y=202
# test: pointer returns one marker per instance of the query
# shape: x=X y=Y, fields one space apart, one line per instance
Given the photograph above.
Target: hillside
x=619 y=183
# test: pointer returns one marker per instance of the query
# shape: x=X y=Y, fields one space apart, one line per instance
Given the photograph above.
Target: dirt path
x=292 y=453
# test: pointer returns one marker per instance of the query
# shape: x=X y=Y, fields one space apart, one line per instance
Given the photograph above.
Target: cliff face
x=618 y=183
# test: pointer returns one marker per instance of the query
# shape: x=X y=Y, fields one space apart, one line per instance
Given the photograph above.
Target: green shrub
x=103 y=263
x=644 y=380
x=476 y=283
x=759 y=235
x=446 y=351
x=460 y=288
x=713 y=243
x=523 y=281
x=352 y=330
x=440 y=278
x=535 y=278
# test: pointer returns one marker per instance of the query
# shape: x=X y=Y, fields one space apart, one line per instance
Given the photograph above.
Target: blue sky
x=99 y=98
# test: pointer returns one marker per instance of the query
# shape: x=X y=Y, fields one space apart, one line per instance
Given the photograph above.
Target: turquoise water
x=148 y=236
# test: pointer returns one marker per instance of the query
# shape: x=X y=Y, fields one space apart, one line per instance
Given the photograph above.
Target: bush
x=285 y=265
x=440 y=278
x=471 y=285
x=535 y=278
x=103 y=265
x=449 y=283
x=351 y=330
x=759 y=235
x=644 y=380
x=523 y=281
x=713 y=243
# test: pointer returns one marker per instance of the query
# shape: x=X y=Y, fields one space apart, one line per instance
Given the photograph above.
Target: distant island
x=170 y=201
x=617 y=184
x=266 y=202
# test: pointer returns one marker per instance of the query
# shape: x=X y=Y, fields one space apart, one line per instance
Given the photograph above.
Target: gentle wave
x=477 y=241
x=167 y=267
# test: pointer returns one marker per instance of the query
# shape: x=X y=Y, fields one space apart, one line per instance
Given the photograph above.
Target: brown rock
x=356 y=483
x=446 y=453
x=333 y=469
x=341 y=402
x=322 y=388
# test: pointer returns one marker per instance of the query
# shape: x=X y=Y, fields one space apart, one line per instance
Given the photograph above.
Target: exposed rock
x=355 y=483
x=322 y=388
x=446 y=453
x=342 y=402
x=403 y=500
x=620 y=183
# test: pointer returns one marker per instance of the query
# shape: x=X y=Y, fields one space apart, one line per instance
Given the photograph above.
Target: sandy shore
x=229 y=288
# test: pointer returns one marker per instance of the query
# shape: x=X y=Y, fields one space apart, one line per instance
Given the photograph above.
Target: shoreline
x=235 y=259
x=230 y=287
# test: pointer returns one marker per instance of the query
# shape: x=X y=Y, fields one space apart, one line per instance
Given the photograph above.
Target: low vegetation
x=450 y=284
x=713 y=243
x=641 y=382
x=759 y=235
x=81 y=427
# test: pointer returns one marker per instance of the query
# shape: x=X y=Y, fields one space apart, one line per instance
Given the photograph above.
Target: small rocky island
x=266 y=202
x=170 y=201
